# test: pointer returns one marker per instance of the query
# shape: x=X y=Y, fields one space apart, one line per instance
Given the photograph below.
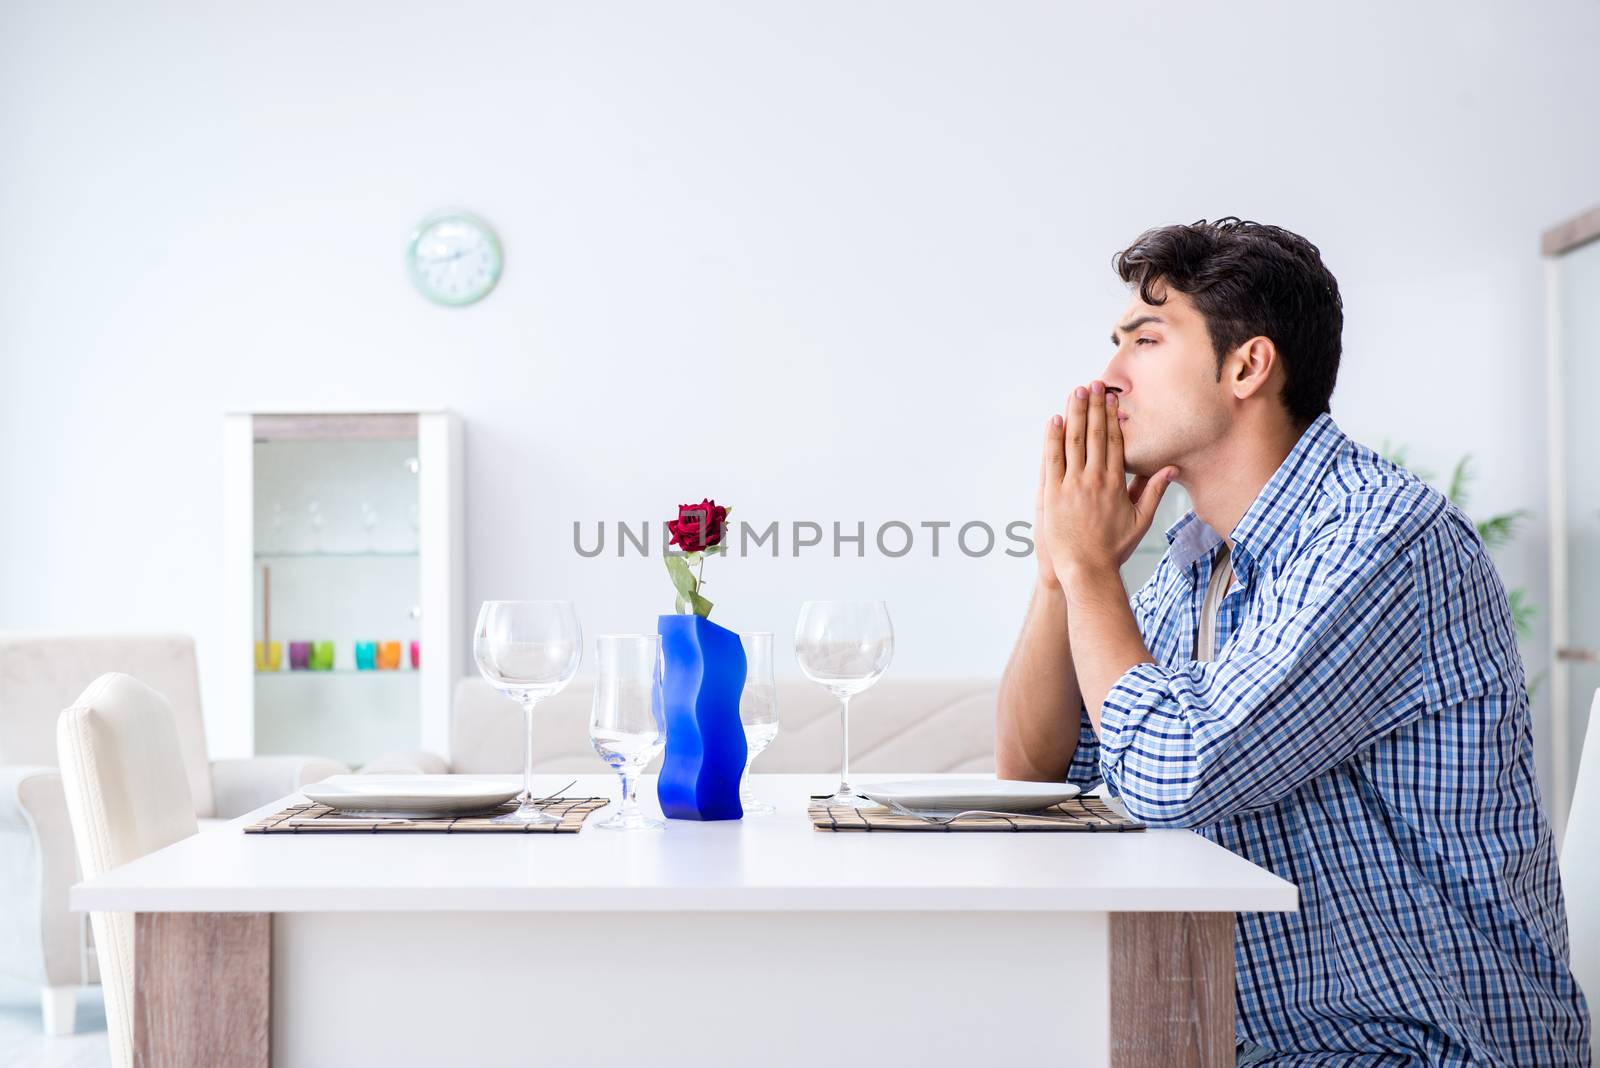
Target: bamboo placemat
x=320 y=819
x=1076 y=814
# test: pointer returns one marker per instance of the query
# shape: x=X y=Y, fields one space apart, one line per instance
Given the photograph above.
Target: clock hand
x=447 y=259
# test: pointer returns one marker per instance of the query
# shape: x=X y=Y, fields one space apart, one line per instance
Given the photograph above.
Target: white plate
x=411 y=795
x=954 y=795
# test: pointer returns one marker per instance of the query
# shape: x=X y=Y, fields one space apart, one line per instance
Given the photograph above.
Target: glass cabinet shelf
x=402 y=673
x=291 y=554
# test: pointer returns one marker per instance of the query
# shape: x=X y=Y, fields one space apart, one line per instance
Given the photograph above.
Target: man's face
x=1171 y=405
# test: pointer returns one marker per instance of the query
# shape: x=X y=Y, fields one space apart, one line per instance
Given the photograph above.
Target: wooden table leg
x=1172 y=995
x=202 y=990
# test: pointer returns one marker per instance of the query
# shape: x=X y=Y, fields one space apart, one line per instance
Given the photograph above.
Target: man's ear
x=1250 y=366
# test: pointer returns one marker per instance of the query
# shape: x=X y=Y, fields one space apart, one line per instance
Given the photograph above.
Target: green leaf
x=679 y=605
x=682 y=577
x=1459 y=478
x=702 y=607
x=1397 y=455
x=1522 y=613
x=1497 y=531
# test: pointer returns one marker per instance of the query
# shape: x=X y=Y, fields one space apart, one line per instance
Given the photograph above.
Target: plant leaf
x=702 y=607
x=1497 y=531
x=678 y=605
x=1459 y=478
x=1522 y=613
x=1397 y=455
x=682 y=577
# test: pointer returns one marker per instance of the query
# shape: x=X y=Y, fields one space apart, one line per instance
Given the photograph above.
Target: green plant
x=1496 y=532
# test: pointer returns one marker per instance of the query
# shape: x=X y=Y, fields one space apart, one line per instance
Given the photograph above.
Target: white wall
x=822 y=261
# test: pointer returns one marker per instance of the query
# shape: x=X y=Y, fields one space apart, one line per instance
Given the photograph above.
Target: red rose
x=698 y=526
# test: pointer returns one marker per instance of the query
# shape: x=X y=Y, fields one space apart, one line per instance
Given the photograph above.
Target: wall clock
x=454 y=258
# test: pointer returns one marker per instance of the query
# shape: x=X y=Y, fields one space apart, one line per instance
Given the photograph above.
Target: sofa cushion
x=899 y=726
x=40 y=675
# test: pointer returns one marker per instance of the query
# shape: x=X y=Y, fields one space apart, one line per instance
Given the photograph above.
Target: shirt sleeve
x=1084 y=770
x=1328 y=661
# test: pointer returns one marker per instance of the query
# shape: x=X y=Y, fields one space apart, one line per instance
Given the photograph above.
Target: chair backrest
x=1580 y=866
x=899 y=726
x=41 y=675
x=123 y=772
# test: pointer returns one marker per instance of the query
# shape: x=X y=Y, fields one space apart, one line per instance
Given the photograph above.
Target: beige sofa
x=41 y=942
x=899 y=726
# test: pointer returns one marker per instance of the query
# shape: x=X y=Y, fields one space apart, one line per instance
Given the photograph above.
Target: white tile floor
x=23 y=1043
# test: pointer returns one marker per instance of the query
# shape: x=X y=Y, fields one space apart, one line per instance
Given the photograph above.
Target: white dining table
x=756 y=941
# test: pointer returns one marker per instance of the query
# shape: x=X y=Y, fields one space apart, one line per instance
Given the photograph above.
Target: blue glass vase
x=705 y=752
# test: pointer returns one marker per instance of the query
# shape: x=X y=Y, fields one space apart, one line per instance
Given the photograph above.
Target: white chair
x=1580 y=868
x=41 y=942
x=899 y=726
x=127 y=794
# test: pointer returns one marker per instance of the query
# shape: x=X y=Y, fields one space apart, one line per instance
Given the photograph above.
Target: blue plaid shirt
x=1363 y=732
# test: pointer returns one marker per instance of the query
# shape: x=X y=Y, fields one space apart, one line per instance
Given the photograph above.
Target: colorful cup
x=416 y=655
x=321 y=656
x=366 y=655
x=388 y=656
x=269 y=656
x=299 y=656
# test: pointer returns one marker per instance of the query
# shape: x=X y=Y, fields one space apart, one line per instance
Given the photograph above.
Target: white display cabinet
x=342 y=528
x=1572 y=381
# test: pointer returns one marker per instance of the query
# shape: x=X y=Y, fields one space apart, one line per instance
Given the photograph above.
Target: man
x=1321 y=676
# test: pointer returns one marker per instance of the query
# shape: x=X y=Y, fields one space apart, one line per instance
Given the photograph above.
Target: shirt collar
x=1280 y=504
x=1189 y=539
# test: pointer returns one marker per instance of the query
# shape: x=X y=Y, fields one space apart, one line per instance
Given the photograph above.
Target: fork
x=901 y=810
x=559 y=792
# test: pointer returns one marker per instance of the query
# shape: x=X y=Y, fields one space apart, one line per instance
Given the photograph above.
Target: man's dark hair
x=1249 y=279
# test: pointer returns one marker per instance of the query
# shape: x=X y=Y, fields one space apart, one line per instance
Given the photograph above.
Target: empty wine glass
x=528 y=650
x=845 y=646
x=758 y=711
x=628 y=725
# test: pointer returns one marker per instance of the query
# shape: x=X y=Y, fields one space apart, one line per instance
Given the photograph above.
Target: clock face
x=454 y=259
